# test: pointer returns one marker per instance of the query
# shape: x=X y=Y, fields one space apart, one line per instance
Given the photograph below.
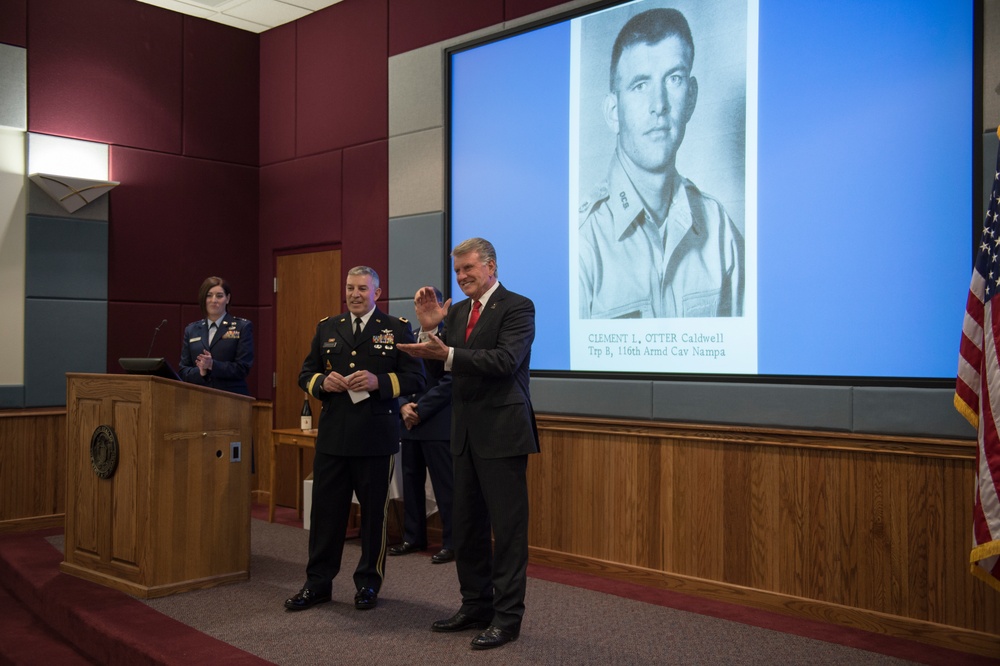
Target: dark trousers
x=420 y=457
x=493 y=578
x=335 y=478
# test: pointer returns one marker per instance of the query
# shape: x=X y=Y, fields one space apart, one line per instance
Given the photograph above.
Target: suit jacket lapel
x=346 y=330
x=200 y=331
x=486 y=314
x=220 y=329
x=461 y=320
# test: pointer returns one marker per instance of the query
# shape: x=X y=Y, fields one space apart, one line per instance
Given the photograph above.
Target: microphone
x=154 y=338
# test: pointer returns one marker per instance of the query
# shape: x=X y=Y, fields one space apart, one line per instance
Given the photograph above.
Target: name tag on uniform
x=195 y=339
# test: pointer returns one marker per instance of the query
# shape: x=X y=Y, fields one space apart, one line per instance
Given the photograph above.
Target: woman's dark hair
x=203 y=291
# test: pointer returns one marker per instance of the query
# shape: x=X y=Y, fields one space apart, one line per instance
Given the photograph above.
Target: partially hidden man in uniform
x=218 y=349
x=355 y=368
x=651 y=243
x=487 y=349
x=427 y=430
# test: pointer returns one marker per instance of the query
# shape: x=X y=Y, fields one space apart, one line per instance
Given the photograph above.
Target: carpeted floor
x=564 y=624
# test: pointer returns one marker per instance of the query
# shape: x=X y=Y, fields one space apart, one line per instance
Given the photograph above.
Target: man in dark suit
x=427 y=421
x=487 y=348
x=356 y=369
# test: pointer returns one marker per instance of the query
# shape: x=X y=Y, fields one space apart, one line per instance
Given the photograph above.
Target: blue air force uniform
x=231 y=350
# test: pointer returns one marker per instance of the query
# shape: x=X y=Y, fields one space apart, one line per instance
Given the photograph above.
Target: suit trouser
x=493 y=578
x=335 y=479
x=433 y=456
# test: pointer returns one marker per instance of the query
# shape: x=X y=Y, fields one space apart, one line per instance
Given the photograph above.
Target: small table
x=301 y=439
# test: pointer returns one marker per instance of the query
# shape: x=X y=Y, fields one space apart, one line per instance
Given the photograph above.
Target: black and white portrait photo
x=660 y=147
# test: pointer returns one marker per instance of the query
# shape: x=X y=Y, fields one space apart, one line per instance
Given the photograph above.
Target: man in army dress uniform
x=355 y=369
x=651 y=243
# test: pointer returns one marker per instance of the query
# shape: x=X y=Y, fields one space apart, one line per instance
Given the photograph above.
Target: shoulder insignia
x=323 y=319
x=594 y=197
x=404 y=320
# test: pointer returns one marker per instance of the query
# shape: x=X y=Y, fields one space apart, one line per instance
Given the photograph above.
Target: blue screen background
x=864 y=182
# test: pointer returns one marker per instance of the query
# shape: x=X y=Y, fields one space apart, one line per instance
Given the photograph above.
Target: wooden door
x=308 y=289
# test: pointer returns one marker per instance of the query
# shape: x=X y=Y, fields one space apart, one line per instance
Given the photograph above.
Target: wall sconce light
x=72 y=193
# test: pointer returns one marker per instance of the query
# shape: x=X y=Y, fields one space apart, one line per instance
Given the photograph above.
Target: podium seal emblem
x=104 y=451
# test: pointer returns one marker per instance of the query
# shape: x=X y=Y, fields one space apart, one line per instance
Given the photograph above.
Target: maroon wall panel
x=514 y=9
x=132 y=332
x=175 y=221
x=342 y=96
x=416 y=23
x=105 y=70
x=13 y=20
x=300 y=205
x=277 y=94
x=366 y=209
x=221 y=92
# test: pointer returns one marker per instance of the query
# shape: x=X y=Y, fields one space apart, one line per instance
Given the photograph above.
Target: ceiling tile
x=268 y=12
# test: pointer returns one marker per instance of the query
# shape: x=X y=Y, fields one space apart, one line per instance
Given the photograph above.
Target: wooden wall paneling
x=765 y=554
x=665 y=557
x=260 y=480
x=737 y=528
x=866 y=531
x=32 y=469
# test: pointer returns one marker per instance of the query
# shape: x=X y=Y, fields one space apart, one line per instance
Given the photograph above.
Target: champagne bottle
x=307 y=415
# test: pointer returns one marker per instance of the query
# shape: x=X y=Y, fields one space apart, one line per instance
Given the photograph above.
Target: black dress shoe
x=305 y=598
x=405 y=548
x=459 y=622
x=443 y=555
x=494 y=637
x=366 y=599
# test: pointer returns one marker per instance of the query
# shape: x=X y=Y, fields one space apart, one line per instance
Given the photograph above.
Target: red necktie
x=473 y=318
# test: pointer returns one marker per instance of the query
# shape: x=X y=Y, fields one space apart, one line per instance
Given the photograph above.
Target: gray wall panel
x=592 y=397
x=403 y=307
x=416 y=173
x=13 y=87
x=40 y=203
x=66 y=258
x=416 y=95
x=11 y=397
x=914 y=411
x=61 y=336
x=821 y=407
x=418 y=255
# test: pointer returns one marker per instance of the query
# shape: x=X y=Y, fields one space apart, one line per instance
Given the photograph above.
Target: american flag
x=977 y=391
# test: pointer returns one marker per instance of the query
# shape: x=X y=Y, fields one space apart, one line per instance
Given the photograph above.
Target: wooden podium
x=174 y=512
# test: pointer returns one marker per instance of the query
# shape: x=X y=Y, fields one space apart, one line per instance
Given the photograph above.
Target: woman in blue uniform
x=218 y=349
